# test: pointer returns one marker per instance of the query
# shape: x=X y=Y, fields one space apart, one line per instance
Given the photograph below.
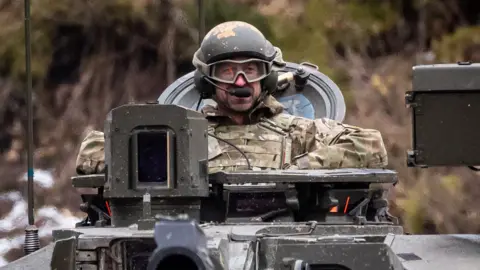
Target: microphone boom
x=241 y=92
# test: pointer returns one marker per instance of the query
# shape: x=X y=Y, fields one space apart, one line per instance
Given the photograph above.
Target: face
x=228 y=70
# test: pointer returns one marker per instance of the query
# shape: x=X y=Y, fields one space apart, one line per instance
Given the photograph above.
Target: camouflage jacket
x=272 y=140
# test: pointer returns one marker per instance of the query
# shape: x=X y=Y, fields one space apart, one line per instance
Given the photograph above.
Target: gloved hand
x=91 y=156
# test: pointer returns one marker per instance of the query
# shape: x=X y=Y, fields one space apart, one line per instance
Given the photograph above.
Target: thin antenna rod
x=32 y=241
x=201 y=21
x=28 y=49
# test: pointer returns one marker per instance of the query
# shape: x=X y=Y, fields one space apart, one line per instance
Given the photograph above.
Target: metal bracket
x=411 y=154
x=358 y=214
x=381 y=211
x=291 y=198
x=309 y=65
x=301 y=77
x=328 y=201
x=412 y=159
x=295 y=264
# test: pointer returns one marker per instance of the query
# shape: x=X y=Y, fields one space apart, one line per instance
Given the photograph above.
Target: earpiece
x=269 y=83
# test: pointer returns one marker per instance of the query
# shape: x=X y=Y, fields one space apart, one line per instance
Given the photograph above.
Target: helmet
x=227 y=41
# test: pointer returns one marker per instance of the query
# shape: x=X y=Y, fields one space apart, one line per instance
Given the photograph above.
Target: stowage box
x=445 y=109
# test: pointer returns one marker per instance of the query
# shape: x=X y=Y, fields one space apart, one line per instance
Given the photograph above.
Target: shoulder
x=286 y=120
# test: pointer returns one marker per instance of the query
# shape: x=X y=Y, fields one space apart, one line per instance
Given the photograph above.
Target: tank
x=157 y=207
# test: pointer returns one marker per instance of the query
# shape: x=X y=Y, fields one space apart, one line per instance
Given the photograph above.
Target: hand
x=91 y=157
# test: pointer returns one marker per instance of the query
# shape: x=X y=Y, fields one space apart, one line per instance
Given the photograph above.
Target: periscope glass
x=152 y=157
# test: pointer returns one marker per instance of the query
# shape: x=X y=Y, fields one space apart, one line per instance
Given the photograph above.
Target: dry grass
x=93 y=64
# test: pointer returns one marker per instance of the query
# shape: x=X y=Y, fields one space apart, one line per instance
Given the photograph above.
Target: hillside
x=90 y=56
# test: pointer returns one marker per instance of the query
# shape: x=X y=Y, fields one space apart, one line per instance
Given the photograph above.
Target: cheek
x=257 y=89
x=220 y=95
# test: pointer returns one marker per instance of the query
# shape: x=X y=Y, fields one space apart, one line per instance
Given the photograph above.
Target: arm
x=331 y=144
x=91 y=156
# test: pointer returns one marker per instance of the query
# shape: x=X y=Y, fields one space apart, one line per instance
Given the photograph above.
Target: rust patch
x=227 y=29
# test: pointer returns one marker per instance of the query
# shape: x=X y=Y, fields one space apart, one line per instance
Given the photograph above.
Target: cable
x=198 y=104
x=234 y=146
x=473 y=168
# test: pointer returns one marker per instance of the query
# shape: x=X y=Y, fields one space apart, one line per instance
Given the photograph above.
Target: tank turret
x=277 y=219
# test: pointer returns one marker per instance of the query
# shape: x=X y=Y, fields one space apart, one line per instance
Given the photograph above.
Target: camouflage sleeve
x=331 y=144
x=91 y=156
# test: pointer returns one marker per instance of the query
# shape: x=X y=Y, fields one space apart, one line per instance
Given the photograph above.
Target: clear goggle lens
x=227 y=71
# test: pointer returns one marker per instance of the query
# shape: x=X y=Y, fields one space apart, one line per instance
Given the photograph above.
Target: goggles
x=227 y=71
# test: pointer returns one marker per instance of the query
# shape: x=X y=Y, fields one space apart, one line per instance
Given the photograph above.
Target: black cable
x=234 y=146
x=473 y=168
x=198 y=104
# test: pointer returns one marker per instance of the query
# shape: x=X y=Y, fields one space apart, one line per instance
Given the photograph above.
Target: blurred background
x=90 y=56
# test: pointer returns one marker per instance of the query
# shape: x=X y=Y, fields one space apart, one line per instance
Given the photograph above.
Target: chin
x=241 y=107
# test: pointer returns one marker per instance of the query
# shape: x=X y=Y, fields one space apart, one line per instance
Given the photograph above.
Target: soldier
x=234 y=67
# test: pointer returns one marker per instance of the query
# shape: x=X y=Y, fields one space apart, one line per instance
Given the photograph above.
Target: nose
x=240 y=81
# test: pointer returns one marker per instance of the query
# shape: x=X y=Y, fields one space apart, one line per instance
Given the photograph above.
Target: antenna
x=201 y=21
x=32 y=242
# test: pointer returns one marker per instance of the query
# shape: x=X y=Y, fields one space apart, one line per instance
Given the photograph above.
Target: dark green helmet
x=233 y=39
